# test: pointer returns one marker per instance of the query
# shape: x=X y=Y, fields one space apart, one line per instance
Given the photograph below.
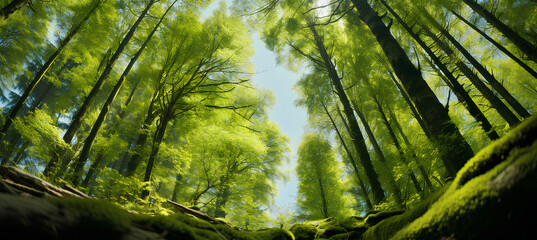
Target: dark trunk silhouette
x=11 y=8
x=453 y=148
x=88 y=143
x=355 y=132
x=351 y=160
x=83 y=110
x=43 y=70
x=497 y=45
x=524 y=45
x=449 y=79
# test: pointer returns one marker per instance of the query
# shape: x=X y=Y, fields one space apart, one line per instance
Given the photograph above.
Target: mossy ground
x=492 y=197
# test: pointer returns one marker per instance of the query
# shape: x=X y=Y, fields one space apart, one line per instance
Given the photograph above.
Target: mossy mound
x=492 y=197
x=333 y=228
x=36 y=218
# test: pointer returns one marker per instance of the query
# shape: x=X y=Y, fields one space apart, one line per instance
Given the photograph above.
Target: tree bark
x=88 y=143
x=413 y=110
x=12 y=7
x=136 y=159
x=357 y=137
x=451 y=81
x=496 y=103
x=497 y=45
x=524 y=45
x=388 y=171
x=400 y=151
x=351 y=159
x=453 y=148
x=481 y=69
x=159 y=135
x=81 y=113
x=44 y=68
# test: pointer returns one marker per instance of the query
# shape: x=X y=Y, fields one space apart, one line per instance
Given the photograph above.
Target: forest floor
x=492 y=197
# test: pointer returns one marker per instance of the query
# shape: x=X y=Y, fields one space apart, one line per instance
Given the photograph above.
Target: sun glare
x=324 y=8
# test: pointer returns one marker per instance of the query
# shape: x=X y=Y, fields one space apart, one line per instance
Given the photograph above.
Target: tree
x=454 y=149
x=319 y=190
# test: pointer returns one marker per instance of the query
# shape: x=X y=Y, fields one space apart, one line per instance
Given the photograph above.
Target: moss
x=491 y=196
x=272 y=234
x=373 y=219
x=387 y=228
x=303 y=231
x=94 y=217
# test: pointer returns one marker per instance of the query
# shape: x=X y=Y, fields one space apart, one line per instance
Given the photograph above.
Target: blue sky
x=290 y=118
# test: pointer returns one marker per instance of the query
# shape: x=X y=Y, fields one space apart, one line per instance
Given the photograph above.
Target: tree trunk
x=525 y=46
x=387 y=169
x=136 y=159
x=412 y=150
x=159 y=135
x=481 y=69
x=81 y=113
x=402 y=157
x=351 y=159
x=451 y=81
x=496 y=103
x=88 y=143
x=12 y=7
x=176 y=187
x=453 y=148
x=415 y=113
x=44 y=68
x=357 y=137
x=324 y=203
x=497 y=45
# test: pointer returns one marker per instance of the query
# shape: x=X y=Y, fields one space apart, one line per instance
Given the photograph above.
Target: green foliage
x=320 y=193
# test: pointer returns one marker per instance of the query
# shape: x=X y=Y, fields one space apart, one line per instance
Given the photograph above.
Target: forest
x=419 y=118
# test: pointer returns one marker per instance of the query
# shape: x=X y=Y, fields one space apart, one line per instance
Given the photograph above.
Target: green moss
x=387 y=228
x=373 y=219
x=272 y=234
x=303 y=231
x=94 y=217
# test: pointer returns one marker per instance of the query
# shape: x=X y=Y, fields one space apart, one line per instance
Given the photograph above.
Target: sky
x=291 y=119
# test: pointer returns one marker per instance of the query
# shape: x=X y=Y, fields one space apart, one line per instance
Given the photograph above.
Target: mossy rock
x=373 y=219
x=330 y=231
x=303 y=231
x=491 y=197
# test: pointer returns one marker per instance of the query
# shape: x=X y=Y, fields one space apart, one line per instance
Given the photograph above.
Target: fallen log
x=32 y=185
x=196 y=213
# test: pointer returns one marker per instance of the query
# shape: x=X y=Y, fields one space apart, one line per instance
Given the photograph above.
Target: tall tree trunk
x=453 y=148
x=497 y=45
x=88 y=143
x=524 y=45
x=136 y=158
x=400 y=151
x=387 y=169
x=481 y=69
x=451 y=81
x=44 y=68
x=413 y=109
x=159 y=135
x=357 y=137
x=12 y=7
x=422 y=170
x=92 y=171
x=176 y=186
x=324 y=203
x=351 y=159
x=496 y=102
x=81 y=113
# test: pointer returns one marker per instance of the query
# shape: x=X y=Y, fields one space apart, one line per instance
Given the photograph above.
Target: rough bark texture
x=497 y=45
x=355 y=132
x=525 y=46
x=496 y=102
x=452 y=82
x=453 y=148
